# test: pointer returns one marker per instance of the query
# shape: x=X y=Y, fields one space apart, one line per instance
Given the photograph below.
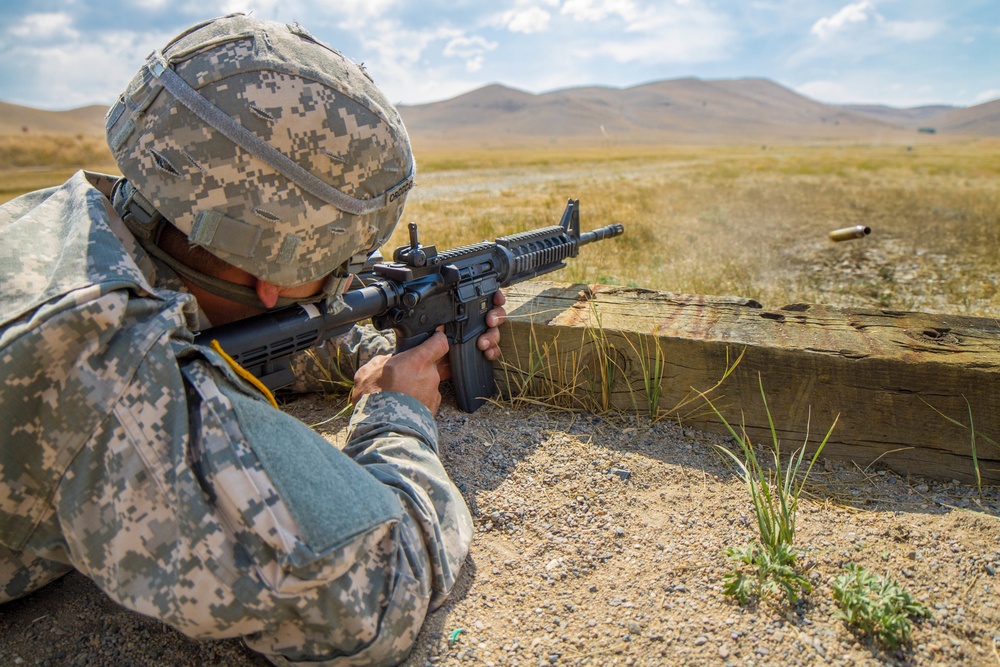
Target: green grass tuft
x=876 y=606
x=772 y=556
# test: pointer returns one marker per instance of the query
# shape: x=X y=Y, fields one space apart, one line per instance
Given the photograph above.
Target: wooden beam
x=896 y=381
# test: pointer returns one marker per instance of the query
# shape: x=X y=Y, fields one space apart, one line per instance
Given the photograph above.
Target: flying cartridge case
x=849 y=233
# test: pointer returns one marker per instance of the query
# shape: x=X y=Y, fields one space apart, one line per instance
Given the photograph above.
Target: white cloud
x=863 y=14
x=665 y=33
x=150 y=4
x=525 y=20
x=988 y=95
x=599 y=10
x=259 y=8
x=912 y=31
x=92 y=69
x=871 y=88
x=858 y=12
x=401 y=51
x=361 y=14
x=397 y=46
x=407 y=63
x=650 y=50
x=45 y=26
x=472 y=49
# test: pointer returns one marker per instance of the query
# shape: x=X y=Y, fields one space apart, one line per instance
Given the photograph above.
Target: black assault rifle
x=420 y=290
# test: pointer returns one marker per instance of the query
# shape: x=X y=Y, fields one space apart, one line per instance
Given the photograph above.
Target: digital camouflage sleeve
x=142 y=461
x=330 y=368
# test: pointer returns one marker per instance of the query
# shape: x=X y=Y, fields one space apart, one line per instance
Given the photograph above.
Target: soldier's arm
x=394 y=437
x=330 y=367
x=270 y=532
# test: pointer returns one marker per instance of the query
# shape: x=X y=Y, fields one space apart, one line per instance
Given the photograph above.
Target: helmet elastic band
x=145 y=223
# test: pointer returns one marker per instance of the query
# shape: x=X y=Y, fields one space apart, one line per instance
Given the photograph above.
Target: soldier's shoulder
x=61 y=241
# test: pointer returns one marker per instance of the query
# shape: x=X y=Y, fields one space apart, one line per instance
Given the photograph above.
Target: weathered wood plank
x=890 y=376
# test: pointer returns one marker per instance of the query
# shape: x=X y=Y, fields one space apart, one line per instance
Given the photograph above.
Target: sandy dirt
x=599 y=540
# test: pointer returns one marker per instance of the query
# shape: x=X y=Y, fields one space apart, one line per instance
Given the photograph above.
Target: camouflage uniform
x=144 y=462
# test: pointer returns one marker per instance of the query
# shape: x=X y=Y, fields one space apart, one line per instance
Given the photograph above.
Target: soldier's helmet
x=266 y=147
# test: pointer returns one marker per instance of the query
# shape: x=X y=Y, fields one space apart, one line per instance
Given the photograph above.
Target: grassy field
x=749 y=222
x=32 y=161
x=743 y=221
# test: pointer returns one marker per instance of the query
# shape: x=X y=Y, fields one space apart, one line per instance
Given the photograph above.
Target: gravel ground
x=600 y=541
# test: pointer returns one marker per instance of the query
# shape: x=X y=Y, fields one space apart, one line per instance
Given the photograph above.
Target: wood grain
x=890 y=378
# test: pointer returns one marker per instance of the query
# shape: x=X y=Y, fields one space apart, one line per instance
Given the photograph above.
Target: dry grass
x=749 y=221
x=32 y=161
x=52 y=150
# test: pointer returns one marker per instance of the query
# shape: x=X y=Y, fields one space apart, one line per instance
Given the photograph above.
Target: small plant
x=652 y=358
x=328 y=372
x=605 y=356
x=585 y=373
x=552 y=373
x=877 y=606
x=329 y=375
x=775 y=498
x=774 y=573
x=972 y=445
x=652 y=371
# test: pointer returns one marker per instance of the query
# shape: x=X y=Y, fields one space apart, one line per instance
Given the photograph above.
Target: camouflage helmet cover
x=266 y=147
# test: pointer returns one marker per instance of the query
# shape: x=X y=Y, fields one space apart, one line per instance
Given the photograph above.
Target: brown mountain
x=679 y=110
x=16 y=119
x=980 y=120
x=686 y=110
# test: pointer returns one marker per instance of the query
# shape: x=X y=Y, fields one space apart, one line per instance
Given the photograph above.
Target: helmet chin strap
x=146 y=224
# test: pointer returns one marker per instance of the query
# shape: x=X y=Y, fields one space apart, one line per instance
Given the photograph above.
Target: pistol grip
x=404 y=343
x=471 y=375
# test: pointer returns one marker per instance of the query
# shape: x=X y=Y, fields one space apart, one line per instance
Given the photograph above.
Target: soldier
x=260 y=168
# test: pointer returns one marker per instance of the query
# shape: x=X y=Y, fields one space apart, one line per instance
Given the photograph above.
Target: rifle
x=420 y=290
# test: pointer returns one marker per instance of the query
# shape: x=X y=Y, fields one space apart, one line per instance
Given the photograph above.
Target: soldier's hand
x=489 y=342
x=414 y=372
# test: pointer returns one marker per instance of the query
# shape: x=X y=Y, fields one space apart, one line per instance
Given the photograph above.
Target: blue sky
x=69 y=53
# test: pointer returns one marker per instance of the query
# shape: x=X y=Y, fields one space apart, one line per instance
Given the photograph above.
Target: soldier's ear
x=267 y=293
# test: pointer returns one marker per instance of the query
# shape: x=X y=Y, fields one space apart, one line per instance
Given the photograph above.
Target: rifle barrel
x=610 y=231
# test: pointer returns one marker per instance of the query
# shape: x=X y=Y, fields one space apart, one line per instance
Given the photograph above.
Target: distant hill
x=980 y=120
x=16 y=119
x=681 y=110
x=911 y=117
x=686 y=110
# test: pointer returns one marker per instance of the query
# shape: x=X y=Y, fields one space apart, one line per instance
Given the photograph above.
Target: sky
x=70 y=53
